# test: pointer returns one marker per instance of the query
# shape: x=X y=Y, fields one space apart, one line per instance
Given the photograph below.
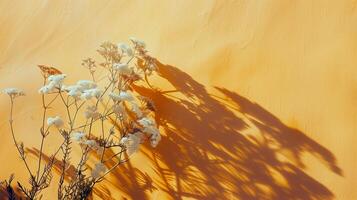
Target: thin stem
x=67 y=108
x=113 y=156
x=147 y=81
x=43 y=134
x=52 y=101
x=83 y=126
x=107 y=139
x=14 y=138
x=96 y=106
x=54 y=156
x=112 y=168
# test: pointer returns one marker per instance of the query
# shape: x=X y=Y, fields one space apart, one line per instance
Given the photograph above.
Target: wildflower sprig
x=103 y=115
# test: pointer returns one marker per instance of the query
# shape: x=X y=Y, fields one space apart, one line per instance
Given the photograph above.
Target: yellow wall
x=281 y=121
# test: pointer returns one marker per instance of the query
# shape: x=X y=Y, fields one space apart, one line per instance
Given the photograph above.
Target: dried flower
x=118 y=109
x=138 y=42
x=126 y=115
x=56 y=121
x=78 y=136
x=146 y=122
x=14 y=92
x=110 y=52
x=100 y=150
x=126 y=49
x=122 y=96
x=47 y=70
x=46 y=89
x=155 y=139
x=149 y=127
x=99 y=170
x=136 y=109
x=132 y=142
x=91 y=143
x=88 y=94
x=91 y=112
x=57 y=79
x=122 y=68
x=86 y=84
x=74 y=91
x=90 y=64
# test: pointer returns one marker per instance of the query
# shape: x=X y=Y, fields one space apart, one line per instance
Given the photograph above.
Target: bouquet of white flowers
x=124 y=119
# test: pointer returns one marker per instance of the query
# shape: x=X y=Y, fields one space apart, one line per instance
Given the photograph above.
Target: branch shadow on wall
x=227 y=148
x=219 y=147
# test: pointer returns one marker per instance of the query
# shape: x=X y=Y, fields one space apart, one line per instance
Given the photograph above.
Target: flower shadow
x=219 y=148
x=228 y=148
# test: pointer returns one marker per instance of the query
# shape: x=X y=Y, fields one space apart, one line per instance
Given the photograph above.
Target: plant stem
x=14 y=139
x=43 y=134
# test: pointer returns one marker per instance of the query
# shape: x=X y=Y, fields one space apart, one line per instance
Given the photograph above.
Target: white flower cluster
x=133 y=118
x=84 y=89
x=91 y=112
x=14 y=92
x=128 y=97
x=55 y=121
x=122 y=68
x=147 y=125
x=99 y=170
x=55 y=81
x=132 y=142
x=122 y=96
x=80 y=138
x=150 y=128
x=126 y=49
x=138 y=42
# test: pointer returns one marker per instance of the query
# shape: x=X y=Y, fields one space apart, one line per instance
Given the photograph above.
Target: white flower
x=91 y=112
x=122 y=68
x=56 y=121
x=57 y=79
x=149 y=127
x=124 y=140
x=86 y=84
x=78 y=136
x=136 y=109
x=146 y=122
x=138 y=42
x=126 y=49
x=114 y=96
x=74 y=91
x=14 y=92
x=100 y=151
x=72 y=87
x=151 y=130
x=99 y=170
x=155 y=139
x=91 y=143
x=46 y=89
x=126 y=96
x=88 y=94
x=118 y=109
x=122 y=96
x=132 y=142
